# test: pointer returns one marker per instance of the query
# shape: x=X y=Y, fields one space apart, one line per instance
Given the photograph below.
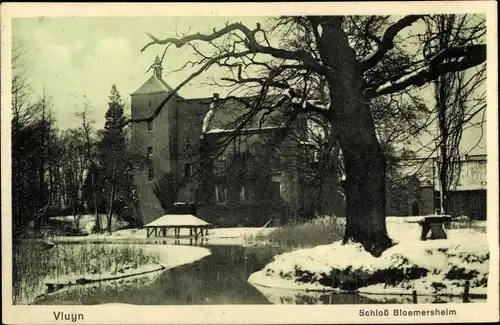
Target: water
x=220 y=278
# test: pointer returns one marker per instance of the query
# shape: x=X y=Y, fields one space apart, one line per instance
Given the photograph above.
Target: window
x=247 y=193
x=151 y=172
x=149 y=103
x=415 y=209
x=188 y=145
x=150 y=151
x=220 y=166
x=276 y=163
x=246 y=158
x=221 y=194
x=315 y=156
x=150 y=126
x=437 y=202
x=276 y=190
x=187 y=170
x=192 y=195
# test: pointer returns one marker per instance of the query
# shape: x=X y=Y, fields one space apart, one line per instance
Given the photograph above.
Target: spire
x=157 y=68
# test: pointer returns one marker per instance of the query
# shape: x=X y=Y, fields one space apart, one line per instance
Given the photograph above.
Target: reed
x=34 y=264
x=319 y=231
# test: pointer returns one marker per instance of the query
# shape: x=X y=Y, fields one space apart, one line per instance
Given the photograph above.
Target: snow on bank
x=430 y=267
x=168 y=256
x=163 y=257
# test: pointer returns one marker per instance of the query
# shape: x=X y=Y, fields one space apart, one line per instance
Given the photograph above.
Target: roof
x=245 y=130
x=153 y=85
x=172 y=220
x=471 y=173
x=227 y=115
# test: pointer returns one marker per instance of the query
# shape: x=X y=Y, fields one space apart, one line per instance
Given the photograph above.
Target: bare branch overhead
x=250 y=42
x=387 y=42
x=292 y=64
x=467 y=56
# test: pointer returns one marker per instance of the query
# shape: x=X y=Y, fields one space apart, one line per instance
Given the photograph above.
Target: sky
x=77 y=60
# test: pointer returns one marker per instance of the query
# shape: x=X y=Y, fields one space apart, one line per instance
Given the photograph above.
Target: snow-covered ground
x=168 y=256
x=163 y=257
x=430 y=267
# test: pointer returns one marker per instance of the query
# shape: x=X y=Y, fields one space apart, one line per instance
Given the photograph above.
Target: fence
x=465 y=295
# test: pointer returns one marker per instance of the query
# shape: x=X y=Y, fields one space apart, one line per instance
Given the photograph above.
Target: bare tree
x=91 y=161
x=45 y=122
x=73 y=172
x=460 y=96
x=351 y=77
x=23 y=112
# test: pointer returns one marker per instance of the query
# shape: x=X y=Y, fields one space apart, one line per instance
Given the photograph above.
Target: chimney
x=215 y=97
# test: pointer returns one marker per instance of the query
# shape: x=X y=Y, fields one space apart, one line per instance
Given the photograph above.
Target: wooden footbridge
x=160 y=226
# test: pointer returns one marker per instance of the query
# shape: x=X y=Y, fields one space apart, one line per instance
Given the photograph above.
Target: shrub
x=319 y=231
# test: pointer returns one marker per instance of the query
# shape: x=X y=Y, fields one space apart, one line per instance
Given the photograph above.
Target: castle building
x=209 y=157
x=421 y=195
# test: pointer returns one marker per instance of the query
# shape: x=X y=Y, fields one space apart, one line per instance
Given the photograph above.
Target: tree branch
x=387 y=42
x=250 y=42
x=470 y=55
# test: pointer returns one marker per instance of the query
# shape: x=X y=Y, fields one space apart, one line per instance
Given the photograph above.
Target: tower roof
x=153 y=85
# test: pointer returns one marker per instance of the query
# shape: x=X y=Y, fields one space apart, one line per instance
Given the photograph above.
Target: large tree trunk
x=444 y=161
x=365 y=195
x=363 y=158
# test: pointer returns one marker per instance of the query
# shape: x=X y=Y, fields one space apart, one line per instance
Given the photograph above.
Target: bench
x=434 y=224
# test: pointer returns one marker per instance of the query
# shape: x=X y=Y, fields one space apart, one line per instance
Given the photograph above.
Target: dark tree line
x=66 y=172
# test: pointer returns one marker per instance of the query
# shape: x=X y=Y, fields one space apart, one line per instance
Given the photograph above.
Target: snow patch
x=320 y=30
x=216 y=130
x=432 y=267
x=401 y=80
x=317 y=104
x=208 y=117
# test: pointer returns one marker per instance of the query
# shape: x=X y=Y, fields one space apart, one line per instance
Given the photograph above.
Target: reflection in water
x=408 y=299
x=284 y=296
x=220 y=278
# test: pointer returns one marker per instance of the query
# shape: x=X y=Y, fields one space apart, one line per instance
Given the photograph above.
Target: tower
x=154 y=141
